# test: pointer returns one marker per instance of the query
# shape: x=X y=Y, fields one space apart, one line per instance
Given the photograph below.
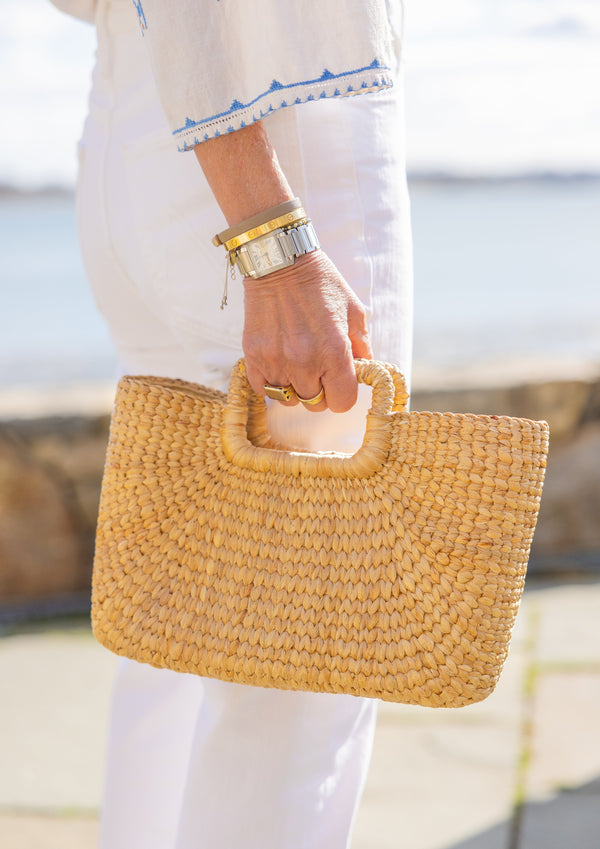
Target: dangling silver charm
x=229 y=272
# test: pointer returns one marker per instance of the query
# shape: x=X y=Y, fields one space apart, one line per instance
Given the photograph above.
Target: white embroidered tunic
x=220 y=65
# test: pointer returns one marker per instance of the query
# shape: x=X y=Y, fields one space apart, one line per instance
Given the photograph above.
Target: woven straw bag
x=393 y=573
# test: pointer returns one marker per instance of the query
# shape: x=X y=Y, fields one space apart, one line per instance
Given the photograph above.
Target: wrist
x=243 y=172
x=301 y=273
x=270 y=241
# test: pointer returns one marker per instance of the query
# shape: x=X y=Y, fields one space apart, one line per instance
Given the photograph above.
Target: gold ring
x=311 y=401
x=279 y=393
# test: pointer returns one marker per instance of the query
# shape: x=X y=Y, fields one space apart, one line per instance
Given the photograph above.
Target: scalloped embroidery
x=276 y=86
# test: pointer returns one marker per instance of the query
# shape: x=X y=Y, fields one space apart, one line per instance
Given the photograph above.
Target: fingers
x=302 y=327
x=313 y=396
x=340 y=385
x=311 y=393
x=336 y=390
x=331 y=384
x=358 y=333
x=257 y=381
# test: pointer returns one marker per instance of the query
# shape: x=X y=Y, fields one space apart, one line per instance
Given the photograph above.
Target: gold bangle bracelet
x=257 y=220
x=288 y=220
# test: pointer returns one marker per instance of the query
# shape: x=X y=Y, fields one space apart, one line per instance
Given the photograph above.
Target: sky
x=493 y=87
x=497 y=86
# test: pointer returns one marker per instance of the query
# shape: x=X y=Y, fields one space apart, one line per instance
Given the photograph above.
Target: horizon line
x=55 y=188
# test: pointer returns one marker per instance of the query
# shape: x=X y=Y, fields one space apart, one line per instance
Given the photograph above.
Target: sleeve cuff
x=374 y=77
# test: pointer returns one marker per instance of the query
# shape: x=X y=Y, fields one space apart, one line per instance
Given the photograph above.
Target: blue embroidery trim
x=141 y=15
x=276 y=86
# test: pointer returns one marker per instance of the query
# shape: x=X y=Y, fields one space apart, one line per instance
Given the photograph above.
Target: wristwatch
x=275 y=250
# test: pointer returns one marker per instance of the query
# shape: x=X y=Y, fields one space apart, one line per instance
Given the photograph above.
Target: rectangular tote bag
x=394 y=573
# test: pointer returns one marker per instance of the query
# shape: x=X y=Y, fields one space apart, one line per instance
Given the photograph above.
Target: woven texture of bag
x=393 y=573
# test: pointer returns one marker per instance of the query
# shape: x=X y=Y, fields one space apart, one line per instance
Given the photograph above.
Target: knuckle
x=343 y=404
x=299 y=352
x=252 y=346
x=357 y=319
x=256 y=383
x=342 y=386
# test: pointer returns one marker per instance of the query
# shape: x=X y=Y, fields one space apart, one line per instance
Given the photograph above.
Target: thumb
x=358 y=333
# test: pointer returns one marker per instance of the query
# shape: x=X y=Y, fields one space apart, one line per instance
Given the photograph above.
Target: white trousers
x=192 y=762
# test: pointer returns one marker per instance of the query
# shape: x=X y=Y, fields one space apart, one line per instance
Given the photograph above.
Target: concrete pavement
x=518 y=771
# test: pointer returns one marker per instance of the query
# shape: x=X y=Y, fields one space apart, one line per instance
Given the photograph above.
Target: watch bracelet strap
x=294 y=241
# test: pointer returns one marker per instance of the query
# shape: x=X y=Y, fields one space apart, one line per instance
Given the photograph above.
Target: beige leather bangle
x=284 y=214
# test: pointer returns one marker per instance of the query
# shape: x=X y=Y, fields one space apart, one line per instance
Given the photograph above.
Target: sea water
x=50 y=330
x=507 y=273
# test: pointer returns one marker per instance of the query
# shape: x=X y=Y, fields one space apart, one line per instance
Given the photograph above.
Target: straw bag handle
x=389 y=396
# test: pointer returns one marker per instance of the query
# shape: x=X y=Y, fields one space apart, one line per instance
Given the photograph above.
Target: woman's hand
x=303 y=326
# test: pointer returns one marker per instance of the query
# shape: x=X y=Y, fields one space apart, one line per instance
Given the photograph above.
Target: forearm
x=243 y=172
x=303 y=323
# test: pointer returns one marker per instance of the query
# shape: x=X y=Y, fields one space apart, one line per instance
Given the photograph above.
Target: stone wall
x=50 y=473
x=51 y=468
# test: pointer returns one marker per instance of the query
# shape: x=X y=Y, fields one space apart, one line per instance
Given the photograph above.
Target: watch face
x=266 y=254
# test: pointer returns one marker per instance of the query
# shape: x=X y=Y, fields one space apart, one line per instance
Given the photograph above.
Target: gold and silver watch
x=273 y=251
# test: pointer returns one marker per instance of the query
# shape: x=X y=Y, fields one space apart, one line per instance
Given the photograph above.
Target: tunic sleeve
x=220 y=65
x=83 y=9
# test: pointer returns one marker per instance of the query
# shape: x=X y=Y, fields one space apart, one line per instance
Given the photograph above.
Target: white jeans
x=193 y=762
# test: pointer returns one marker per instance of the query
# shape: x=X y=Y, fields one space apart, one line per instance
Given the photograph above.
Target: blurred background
x=504 y=157
x=503 y=120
